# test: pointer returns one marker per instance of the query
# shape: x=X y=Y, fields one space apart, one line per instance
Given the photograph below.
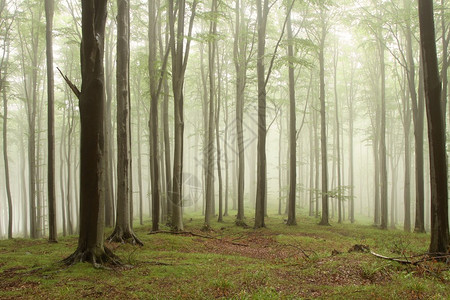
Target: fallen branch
x=402 y=261
x=425 y=257
x=197 y=235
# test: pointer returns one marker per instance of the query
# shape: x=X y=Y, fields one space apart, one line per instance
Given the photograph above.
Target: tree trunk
x=210 y=139
x=139 y=169
x=292 y=131
x=350 y=147
x=92 y=98
x=436 y=131
x=49 y=11
x=338 y=144
x=240 y=62
x=153 y=123
x=261 y=180
x=123 y=231
x=61 y=169
x=109 y=152
x=323 y=124
x=311 y=168
x=219 y=155
x=180 y=54
x=382 y=145
x=407 y=184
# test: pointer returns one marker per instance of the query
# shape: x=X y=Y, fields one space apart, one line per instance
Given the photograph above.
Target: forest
x=317 y=166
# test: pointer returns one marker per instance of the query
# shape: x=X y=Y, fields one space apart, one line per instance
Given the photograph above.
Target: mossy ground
x=242 y=263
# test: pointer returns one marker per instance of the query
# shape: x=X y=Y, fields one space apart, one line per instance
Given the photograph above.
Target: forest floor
x=303 y=261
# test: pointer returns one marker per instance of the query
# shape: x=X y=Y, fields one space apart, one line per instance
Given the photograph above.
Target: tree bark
x=109 y=152
x=240 y=63
x=49 y=11
x=153 y=123
x=92 y=99
x=292 y=131
x=123 y=231
x=382 y=145
x=261 y=179
x=180 y=55
x=211 y=118
x=436 y=131
x=323 y=123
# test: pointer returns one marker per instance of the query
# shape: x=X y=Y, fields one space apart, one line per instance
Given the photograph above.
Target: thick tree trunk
x=92 y=99
x=436 y=131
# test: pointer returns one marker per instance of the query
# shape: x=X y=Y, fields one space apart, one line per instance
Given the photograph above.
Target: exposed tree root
x=206 y=228
x=241 y=223
x=124 y=236
x=98 y=257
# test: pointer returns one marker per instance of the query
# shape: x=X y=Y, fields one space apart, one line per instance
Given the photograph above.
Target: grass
x=303 y=261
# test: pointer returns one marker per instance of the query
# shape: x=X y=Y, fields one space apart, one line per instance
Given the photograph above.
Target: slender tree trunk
x=139 y=169
x=323 y=128
x=123 y=231
x=210 y=141
x=317 y=162
x=311 y=168
x=61 y=170
x=49 y=11
x=109 y=153
x=407 y=184
x=418 y=142
x=69 y=172
x=153 y=123
x=180 y=54
x=261 y=180
x=350 y=152
x=219 y=155
x=23 y=185
x=225 y=148
x=382 y=145
x=280 y=164
x=338 y=144
x=292 y=131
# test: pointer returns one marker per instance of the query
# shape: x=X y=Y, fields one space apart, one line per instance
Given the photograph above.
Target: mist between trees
x=227 y=107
